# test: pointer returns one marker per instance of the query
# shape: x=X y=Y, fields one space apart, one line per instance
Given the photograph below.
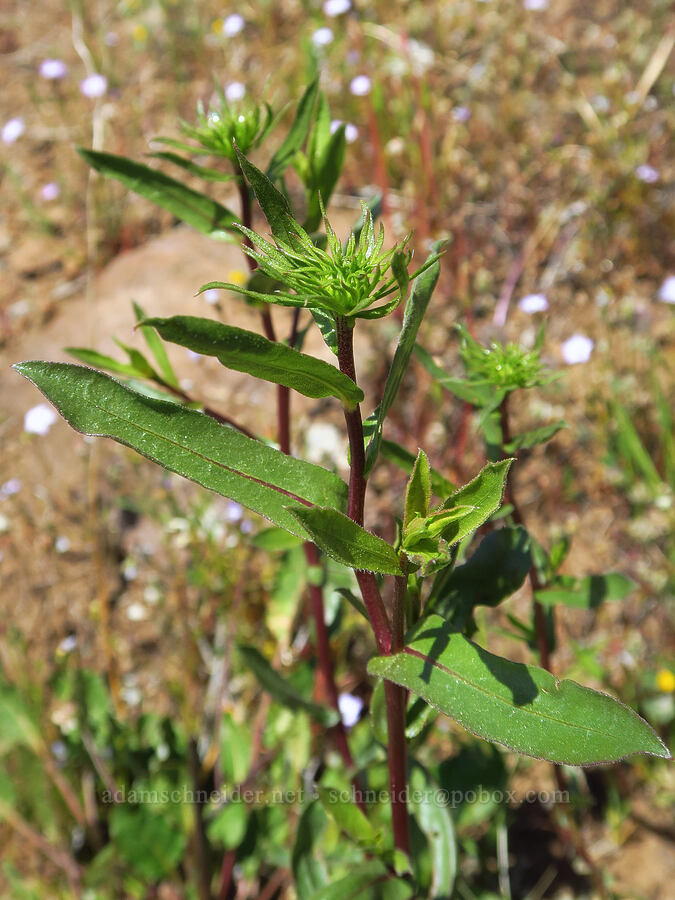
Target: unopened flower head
x=230 y=120
x=343 y=280
x=507 y=366
x=12 y=130
x=94 y=86
x=53 y=69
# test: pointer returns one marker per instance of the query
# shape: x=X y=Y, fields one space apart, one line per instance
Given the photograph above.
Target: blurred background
x=537 y=138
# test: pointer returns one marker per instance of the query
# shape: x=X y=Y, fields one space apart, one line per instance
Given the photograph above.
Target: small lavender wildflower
x=577 y=349
x=234 y=91
x=334 y=8
x=667 y=290
x=50 y=191
x=461 y=113
x=360 y=86
x=322 y=37
x=9 y=488
x=233 y=24
x=647 y=173
x=39 y=419
x=350 y=708
x=94 y=86
x=53 y=69
x=12 y=130
x=533 y=303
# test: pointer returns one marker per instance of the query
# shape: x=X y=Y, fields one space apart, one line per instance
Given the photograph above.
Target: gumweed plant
x=418 y=593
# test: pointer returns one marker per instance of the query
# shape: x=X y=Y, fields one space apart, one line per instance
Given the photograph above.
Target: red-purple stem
x=387 y=641
x=540 y=625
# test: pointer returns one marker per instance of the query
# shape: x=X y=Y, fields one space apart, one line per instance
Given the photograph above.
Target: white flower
x=50 y=191
x=94 y=86
x=421 y=56
x=322 y=37
x=461 y=113
x=131 y=695
x=324 y=441
x=12 y=130
x=667 y=290
x=211 y=296
x=39 y=419
x=351 y=133
x=350 y=709
x=233 y=511
x=13 y=486
x=334 y=8
x=68 y=644
x=360 y=86
x=62 y=544
x=647 y=173
x=136 y=612
x=233 y=25
x=234 y=91
x=577 y=349
x=535 y=4
x=53 y=69
x=600 y=103
x=533 y=303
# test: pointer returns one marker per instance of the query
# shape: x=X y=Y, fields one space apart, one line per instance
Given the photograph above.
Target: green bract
x=345 y=281
x=506 y=366
x=224 y=124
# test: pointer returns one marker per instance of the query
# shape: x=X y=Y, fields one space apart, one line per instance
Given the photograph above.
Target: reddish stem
x=540 y=626
x=396 y=697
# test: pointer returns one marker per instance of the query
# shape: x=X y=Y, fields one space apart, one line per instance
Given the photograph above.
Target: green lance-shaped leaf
x=434 y=819
x=283 y=691
x=327 y=168
x=405 y=460
x=280 y=298
x=347 y=542
x=418 y=492
x=272 y=201
x=156 y=347
x=415 y=309
x=525 y=708
x=187 y=442
x=249 y=352
x=534 y=437
x=348 y=817
x=495 y=571
x=297 y=133
x=475 y=394
x=484 y=493
x=309 y=872
x=94 y=358
x=586 y=593
x=193 y=168
x=364 y=882
x=198 y=210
